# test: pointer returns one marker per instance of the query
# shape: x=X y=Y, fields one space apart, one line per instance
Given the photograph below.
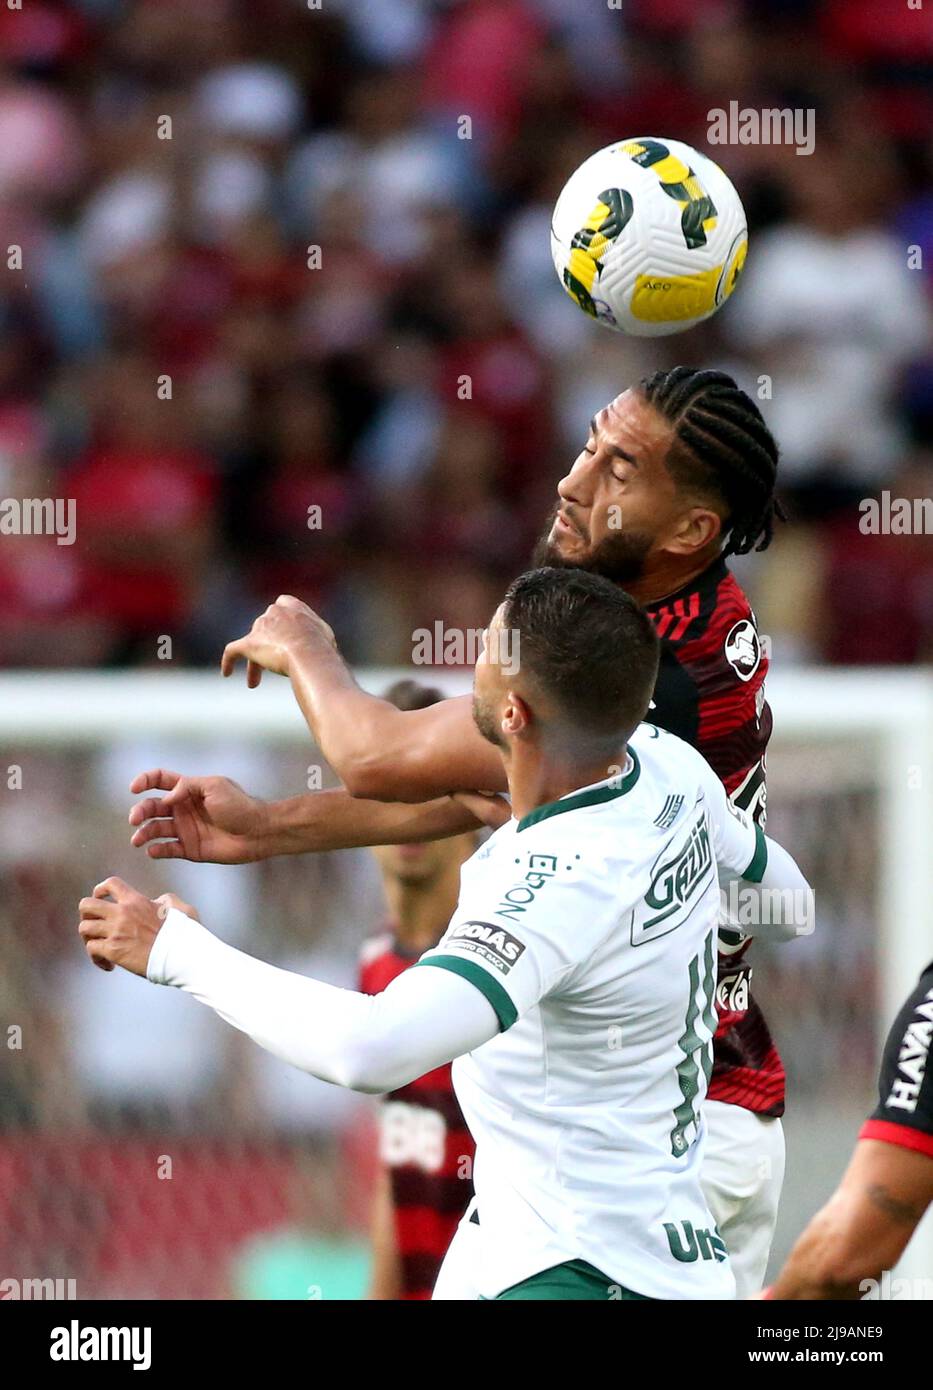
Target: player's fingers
x=253 y=674
x=149 y=809
x=233 y=652
x=289 y=601
x=93 y=908
x=97 y=953
x=93 y=929
x=160 y=829
x=158 y=779
x=166 y=849
x=182 y=790
x=114 y=887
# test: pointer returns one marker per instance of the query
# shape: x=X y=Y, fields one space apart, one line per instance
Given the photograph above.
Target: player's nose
x=577 y=485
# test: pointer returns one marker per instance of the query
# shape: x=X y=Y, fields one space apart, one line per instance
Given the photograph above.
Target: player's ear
x=516 y=716
x=694 y=530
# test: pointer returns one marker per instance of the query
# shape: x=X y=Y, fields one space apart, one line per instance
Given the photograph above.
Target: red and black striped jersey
x=424 y=1143
x=904 y=1114
x=710 y=691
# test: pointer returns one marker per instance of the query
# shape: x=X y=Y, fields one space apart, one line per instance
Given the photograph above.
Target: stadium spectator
x=187 y=251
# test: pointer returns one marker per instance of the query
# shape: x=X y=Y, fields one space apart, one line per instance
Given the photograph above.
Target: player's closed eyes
x=590 y=449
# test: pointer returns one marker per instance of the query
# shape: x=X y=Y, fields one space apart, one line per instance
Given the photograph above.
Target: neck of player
x=537 y=778
x=664 y=574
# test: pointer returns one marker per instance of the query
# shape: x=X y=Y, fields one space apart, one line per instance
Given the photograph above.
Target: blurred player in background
x=426 y=1177
x=676 y=474
x=865 y=1226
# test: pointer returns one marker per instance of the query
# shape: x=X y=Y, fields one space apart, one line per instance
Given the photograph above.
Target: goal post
x=871 y=731
x=886 y=717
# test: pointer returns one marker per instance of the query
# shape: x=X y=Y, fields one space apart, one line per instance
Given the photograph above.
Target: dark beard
x=486 y=725
x=620 y=558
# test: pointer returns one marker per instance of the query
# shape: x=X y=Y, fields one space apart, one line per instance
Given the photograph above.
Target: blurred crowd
x=264 y=247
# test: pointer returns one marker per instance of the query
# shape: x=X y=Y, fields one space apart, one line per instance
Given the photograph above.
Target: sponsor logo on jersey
x=912 y=1058
x=751 y=794
x=541 y=868
x=493 y=944
x=676 y=880
x=743 y=649
x=688 y=1243
x=732 y=990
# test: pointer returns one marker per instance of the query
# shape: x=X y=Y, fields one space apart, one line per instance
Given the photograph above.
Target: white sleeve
x=786 y=899
x=777 y=901
x=739 y=845
x=367 y=1042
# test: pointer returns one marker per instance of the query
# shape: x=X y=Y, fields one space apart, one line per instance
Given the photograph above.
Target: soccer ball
x=649 y=236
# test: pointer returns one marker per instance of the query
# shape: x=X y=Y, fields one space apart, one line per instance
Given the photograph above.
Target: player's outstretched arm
x=764 y=889
x=371 y=1043
x=377 y=751
x=864 y=1227
x=213 y=820
x=778 y=901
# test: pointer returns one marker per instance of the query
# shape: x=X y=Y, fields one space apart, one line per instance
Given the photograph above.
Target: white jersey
x=590 y=926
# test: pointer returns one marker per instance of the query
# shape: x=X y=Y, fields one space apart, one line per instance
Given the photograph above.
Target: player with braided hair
x=676 y=474
x=723 y=446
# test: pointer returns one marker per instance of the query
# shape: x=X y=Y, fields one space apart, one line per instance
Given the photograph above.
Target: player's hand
x=209 y=820
x=286 y=625
x=118 y=925
x=170 y=900
x=488 y=807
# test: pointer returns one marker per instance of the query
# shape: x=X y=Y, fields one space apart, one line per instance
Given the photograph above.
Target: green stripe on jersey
x=592 y=797
x=505 y=1010
x=756 y=869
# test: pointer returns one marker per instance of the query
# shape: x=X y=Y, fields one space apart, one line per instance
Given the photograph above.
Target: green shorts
x=573 y=1280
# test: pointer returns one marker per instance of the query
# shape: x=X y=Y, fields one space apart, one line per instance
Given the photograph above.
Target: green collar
x=592 y=796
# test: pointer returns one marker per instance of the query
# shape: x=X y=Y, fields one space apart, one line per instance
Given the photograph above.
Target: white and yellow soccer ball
x=649 y=236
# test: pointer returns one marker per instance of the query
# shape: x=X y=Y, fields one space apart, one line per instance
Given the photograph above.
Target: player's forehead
x=629 y=420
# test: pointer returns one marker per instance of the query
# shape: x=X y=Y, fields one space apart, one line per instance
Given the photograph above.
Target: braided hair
x=722 y=447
